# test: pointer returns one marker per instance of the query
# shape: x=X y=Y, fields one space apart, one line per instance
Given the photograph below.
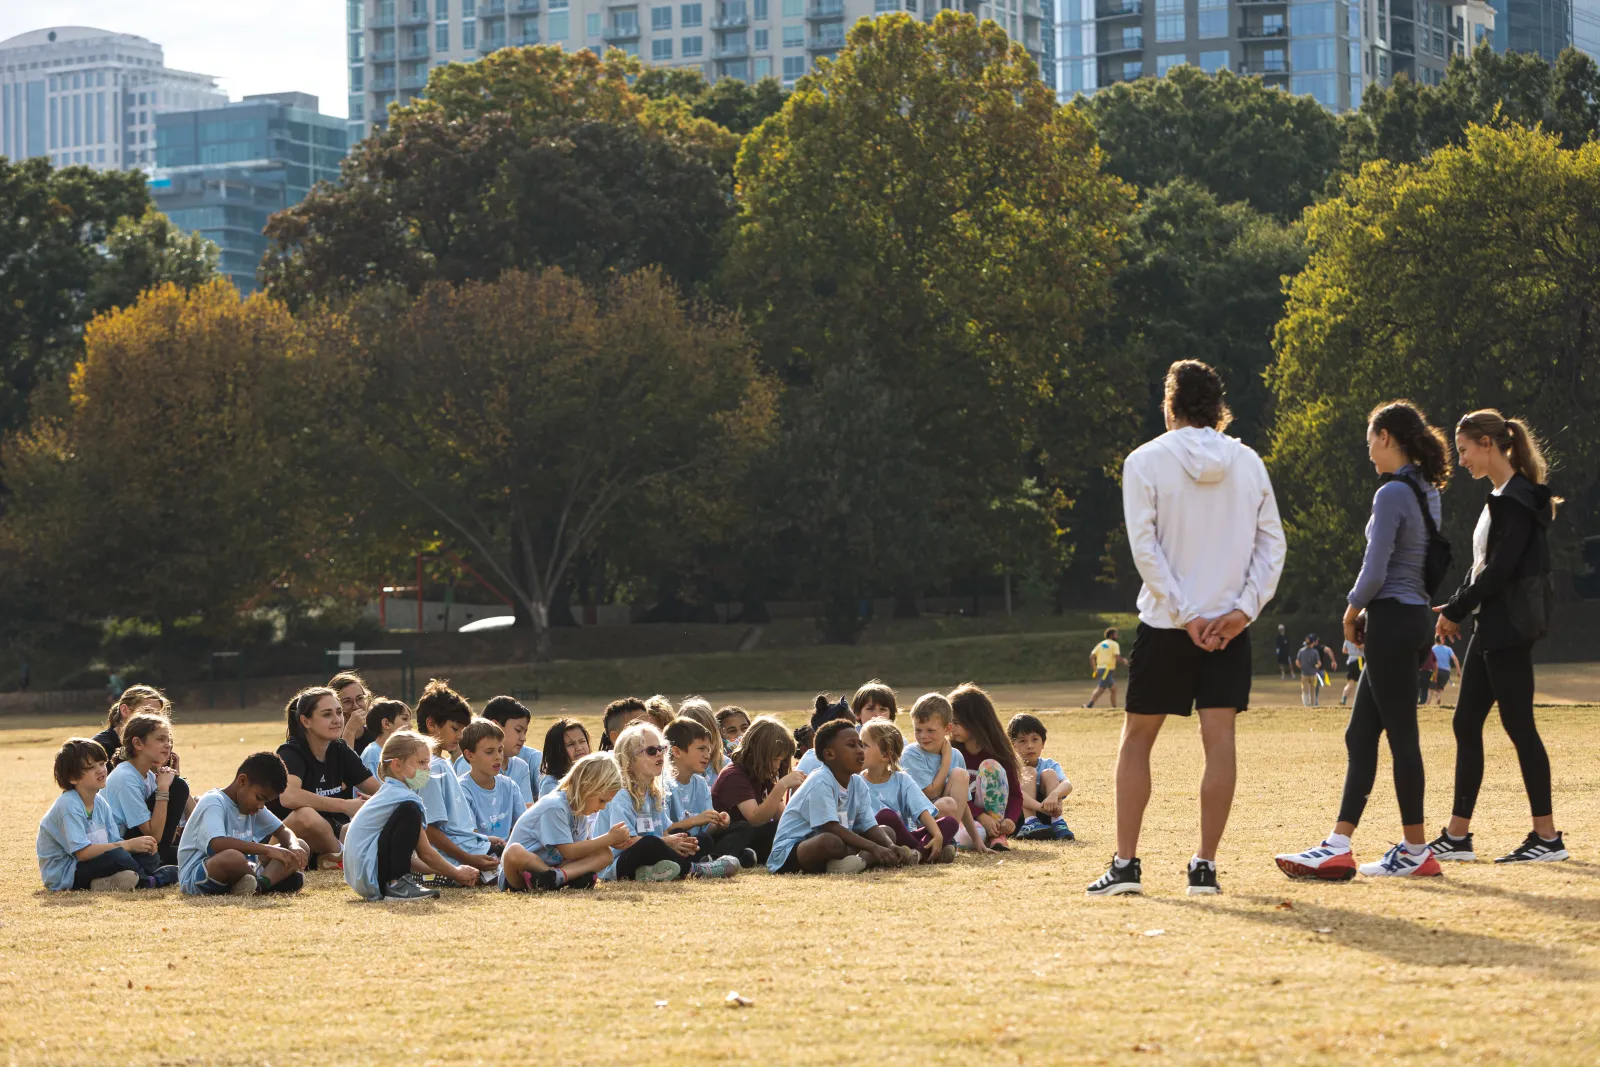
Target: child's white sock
x=1338 y=840
x=561 y=876
x=1195 y=861
x=1414 y=850
x=1119 y=862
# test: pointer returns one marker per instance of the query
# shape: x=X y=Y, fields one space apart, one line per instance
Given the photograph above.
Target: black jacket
x=1514 y=593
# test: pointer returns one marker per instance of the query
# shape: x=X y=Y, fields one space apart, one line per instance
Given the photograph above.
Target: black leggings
x=397 y=841
x=1398 y=638
x=645 y=851
x=1504 y=677
x=103 y=866
x=166 y=853
x=741 y=835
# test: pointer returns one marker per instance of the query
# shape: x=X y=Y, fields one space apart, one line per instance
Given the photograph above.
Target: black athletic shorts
x=1352 y=670
x=1168 y=674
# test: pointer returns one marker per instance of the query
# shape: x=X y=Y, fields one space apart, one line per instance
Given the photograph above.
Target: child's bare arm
x=941 y=777
x=935 y=835
x=438 y=864
x=89 y=852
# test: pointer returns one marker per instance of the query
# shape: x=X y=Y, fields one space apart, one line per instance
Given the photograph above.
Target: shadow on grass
x=1401 y=940
x=1583 y=909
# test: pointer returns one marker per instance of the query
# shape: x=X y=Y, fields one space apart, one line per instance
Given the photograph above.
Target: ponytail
x=131 y=698
x=1514 y=437
x=1423 y=444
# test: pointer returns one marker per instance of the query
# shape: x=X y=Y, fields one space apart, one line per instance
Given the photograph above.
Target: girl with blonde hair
x=655 y=853
x=550 y=847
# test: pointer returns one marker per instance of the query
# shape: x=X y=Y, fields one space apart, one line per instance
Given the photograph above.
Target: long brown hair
x=1423 y=444
x=1514 y=437
x=765 y=743
x=139 y=727
x=303 y=703
x=975 y=712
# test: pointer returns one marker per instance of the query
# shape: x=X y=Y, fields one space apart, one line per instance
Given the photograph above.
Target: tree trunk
x=524 y=580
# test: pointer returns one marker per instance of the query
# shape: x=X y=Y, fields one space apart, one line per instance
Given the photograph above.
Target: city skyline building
x=85 y=96
x=222 y=172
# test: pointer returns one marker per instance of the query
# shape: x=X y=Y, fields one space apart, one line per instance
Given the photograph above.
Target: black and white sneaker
x=1447 y=848
x=1535 y=849
x=1117 y=880
x=1203 y=880
x=407 y=889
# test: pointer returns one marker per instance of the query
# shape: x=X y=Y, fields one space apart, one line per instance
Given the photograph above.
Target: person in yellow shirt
x=1104 y=658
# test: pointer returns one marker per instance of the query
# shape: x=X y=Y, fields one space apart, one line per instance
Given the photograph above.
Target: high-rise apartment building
x=222 y=172
x=85 y=96
x=392 y=44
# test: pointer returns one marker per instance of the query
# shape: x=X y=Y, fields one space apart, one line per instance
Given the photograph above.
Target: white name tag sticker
x=645 y=825
x=98 y=836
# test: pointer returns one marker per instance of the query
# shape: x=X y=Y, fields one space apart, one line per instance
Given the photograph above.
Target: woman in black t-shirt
x=319 y=802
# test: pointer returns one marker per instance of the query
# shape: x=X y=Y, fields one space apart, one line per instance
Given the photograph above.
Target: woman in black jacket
x=1510 y=592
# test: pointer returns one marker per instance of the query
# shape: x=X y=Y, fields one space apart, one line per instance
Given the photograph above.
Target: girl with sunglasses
x=653 y=853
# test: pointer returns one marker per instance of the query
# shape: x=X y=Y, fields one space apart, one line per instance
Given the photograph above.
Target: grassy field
x=991 y=961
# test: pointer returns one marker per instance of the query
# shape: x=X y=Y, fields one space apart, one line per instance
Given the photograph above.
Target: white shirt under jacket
x=1203 y=526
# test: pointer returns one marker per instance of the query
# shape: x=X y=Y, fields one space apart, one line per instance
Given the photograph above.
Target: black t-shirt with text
x=332 y=776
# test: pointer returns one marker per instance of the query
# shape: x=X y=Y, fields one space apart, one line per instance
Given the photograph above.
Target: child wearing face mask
x=387 y=846
x=654 y=853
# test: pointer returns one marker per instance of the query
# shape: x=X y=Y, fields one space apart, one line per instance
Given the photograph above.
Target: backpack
x=1437 y=558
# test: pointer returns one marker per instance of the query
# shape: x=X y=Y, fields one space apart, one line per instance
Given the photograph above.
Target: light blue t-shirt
x=216 y=815
x=689 y=798
x=68 y=828
x=361 y=839
x=533 y=758
x=709 y=775
x=1444 y=657
x=923 y=765
x=809 y=762
x=516 y=769
x=548 y=784
x=128 y=793
x=901 y=795
x=372 y=755
x=550 y=822
x=649 y=819
x=445 y=806
x=1047 y=764
x=494 y=811
x=819 y=801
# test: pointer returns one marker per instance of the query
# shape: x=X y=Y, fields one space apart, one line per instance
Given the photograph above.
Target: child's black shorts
x=1168 y=674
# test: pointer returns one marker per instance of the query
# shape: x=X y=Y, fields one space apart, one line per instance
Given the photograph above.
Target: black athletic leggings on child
x=397 y=841
x=645 y=851
x=1504 y=677
x=741 y=835
x=1398 y=638
x=104 y=866
x=167 y=835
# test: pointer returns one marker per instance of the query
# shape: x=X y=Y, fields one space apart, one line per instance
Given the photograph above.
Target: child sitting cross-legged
x=654 y=853
x=386 y=847
x=938 y=768
x=689 y=796
x=1044 y=783
x=829 y=823
x=754 y=786
x=977 y=734
x=389 y=716
x=550 y=847
x=494 y=798
x=77 y=845
x=443 y=715
x=900 y=803
x=234 y=844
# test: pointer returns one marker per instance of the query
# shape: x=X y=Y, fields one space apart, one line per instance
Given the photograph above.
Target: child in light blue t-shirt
x=443 y=714
x=1044 y=783
x=386 y=846
x=522 y=759
x=234 y=845
x=902 y=807
x=550 y=846
x=493 y=798
x=390 y=716
x=661 y=851
x=565 y=743
x=77 y=846
x=685 y=786
x=829 y=823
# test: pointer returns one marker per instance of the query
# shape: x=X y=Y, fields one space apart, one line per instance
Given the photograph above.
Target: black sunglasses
x=654 y=750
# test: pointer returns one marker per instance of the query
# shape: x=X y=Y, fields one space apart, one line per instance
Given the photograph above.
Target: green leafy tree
x=924 y=212
x=148 y=251
x=523 y=414
x=1233 y=136
x=737 y=106
x=531 y=157
x=1468 y=280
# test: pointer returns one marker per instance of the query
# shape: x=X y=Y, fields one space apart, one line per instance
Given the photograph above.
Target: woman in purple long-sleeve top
x=1389 y=615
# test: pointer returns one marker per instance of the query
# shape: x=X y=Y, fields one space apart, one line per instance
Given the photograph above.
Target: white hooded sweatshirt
x=1203 y=527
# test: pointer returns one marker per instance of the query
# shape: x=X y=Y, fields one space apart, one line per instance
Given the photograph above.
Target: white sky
x=249 y=46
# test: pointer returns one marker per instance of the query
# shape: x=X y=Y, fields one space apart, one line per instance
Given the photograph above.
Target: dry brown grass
x=988 y=962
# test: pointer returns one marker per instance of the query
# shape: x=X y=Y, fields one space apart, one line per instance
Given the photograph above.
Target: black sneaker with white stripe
x=1447 y=848
x=1535 y=849
x=1203 y=880
x=1117 y=880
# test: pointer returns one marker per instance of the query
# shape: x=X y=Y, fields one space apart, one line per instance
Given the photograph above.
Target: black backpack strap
x=1422 y=501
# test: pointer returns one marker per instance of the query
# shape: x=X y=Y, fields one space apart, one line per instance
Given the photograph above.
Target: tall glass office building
x=222 y=173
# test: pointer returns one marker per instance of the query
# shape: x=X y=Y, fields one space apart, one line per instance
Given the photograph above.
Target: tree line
x=614 y=333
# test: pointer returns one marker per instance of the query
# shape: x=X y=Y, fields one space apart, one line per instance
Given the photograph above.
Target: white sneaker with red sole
x=1398 y=862
x=1326 y=862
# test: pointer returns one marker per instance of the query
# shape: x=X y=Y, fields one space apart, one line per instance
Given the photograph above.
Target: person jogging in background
x=1283 y=648
x=1204 y=531
x=1388 y=615
x=1309 y=662
x=1444 y=661
x=1104 y=658
x=1509 y=592
x=1353 y=654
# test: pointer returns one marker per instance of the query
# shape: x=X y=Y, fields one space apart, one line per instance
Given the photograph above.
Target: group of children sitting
x=440 y=797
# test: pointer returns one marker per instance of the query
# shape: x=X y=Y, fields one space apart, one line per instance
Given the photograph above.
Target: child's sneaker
x=164 y=876
x=408 y=889
x=851 y=864
x=1203 y=880
x=659 y=871
x=1446 y=848
x=489 y=877
x=121 y=882
x=1327 y=862
x=1033 y=828
x=909 y=856
x=1117 y=880
x=1061 y=831
x=748 y=858
x=947 y=854
x=721 y=867
x=1397 y=862
x=1535 y=849
x=246 y=886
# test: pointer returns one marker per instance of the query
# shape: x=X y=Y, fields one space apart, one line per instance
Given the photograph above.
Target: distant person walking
x=1353 y=654
x=1103 y=659
x=1388 y=616
x=1309 y=662
x=1444 y=661
x=1203 y=527
x=1509 y=591
x=1283 y=648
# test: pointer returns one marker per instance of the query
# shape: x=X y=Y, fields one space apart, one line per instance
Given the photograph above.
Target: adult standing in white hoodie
x=1203 y=527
